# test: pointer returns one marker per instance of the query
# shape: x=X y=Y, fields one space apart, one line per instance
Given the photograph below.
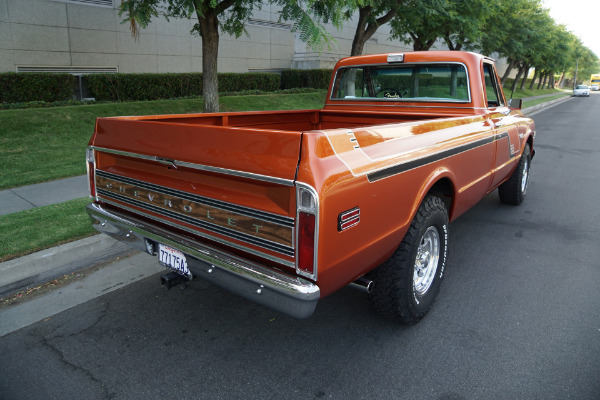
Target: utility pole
x=576 y=68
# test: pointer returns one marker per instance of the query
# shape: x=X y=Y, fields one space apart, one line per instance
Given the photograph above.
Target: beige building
x=88 y=36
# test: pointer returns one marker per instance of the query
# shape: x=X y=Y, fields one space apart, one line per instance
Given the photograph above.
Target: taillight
x=306 y=243
x=91 y=165
x=307 y=231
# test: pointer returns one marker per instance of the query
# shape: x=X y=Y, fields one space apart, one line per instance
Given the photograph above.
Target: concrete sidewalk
x=37 y=268
x=42 y=194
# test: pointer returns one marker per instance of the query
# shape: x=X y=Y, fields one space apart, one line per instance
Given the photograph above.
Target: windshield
x=581 y=87
x=406 y=82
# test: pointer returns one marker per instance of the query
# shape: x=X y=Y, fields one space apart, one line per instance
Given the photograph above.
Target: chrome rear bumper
x=291 y=295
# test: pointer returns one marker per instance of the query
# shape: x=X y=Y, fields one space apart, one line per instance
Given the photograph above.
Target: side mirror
x=515 y=103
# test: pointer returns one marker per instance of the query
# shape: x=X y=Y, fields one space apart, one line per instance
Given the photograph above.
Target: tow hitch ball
x=171 y=279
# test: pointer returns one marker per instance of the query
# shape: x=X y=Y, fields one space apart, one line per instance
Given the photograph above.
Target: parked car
x=595 y=87
x=581 y=90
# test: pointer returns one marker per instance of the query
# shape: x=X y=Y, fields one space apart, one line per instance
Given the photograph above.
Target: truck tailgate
x=250 y=151
x=229 y=186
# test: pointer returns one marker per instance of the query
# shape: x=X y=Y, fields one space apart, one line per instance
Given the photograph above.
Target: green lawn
x=39 y=228
x=44 y=144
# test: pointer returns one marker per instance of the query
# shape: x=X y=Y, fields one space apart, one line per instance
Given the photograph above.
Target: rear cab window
x=436 y=82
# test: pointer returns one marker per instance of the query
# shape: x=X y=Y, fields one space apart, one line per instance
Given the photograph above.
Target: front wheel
x=407 y=284
x=513 y=191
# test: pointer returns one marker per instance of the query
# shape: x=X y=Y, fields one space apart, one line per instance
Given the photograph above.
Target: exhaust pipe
x=363 y=284
x=171 y=279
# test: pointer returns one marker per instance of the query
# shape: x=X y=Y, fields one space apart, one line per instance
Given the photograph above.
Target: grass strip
x=40 y=228
x=531 y=103
x=44 y=144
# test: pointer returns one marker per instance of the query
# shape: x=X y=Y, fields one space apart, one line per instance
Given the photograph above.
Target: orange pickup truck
x=286 y=207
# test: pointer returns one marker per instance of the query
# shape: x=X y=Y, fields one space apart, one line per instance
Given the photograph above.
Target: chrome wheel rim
x=525 y=177
x=426 y=262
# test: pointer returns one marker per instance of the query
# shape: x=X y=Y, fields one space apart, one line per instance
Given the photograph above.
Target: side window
x=492 y=92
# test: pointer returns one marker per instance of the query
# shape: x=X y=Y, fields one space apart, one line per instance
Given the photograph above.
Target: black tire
x=513 y=191
x=399 y=291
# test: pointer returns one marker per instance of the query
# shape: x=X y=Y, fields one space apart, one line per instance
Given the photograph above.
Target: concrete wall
x=57 y=33
x=42 y=33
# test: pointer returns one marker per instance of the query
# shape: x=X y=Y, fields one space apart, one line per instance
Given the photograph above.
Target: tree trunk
x=365 y=30
x=360 y=36
x=209 y=28
x=535 y=75
x=551 y=81
x=453 y=82
x=545 y=78
x=514 y=85
x=539 y=85
x=511 y=65
x=452 y=46
x=561 y=80
x=524 y=79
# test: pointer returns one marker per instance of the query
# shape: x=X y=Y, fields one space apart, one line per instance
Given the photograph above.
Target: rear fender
x=440 y=182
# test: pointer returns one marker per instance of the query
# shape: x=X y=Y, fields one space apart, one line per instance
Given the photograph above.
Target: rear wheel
x=407 y=284
x=513 y=191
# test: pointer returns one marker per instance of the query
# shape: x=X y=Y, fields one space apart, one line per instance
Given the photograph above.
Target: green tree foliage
x=421 y=22
x=462 y=26
x=368 y=15
x=371 y=15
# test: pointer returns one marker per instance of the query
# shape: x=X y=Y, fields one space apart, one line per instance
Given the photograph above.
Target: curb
x=43 y=266
x=547 y=104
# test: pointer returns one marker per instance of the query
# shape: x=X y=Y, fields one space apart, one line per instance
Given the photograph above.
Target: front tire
x=407 y=284
x=513 y=191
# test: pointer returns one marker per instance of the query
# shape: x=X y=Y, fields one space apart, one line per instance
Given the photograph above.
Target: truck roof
x=415 y=56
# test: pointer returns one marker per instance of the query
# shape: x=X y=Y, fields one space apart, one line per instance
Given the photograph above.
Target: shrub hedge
x=305 y=78
x=18 y=88
x=121 y=87
x=46 y=88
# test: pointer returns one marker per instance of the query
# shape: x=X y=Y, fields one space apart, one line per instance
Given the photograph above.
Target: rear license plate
x=174 y=259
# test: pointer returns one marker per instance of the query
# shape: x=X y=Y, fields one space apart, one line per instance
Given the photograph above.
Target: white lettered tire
x=407 y=284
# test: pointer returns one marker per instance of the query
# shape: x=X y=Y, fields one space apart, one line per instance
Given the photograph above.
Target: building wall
x=63 y=33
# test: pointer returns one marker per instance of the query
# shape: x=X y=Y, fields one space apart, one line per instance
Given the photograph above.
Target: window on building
x=99 y=3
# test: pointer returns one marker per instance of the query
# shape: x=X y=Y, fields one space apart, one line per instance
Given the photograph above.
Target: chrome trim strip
x=222 y=205
x=200 y=167
x=292 y=295
x=90 y=152
x=202 y=234
x=264 y=243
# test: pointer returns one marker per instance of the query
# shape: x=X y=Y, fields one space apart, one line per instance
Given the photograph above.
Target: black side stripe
x=407 y=166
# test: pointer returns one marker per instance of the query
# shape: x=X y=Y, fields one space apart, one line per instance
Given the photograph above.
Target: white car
x=581 y=90
x=595 y=86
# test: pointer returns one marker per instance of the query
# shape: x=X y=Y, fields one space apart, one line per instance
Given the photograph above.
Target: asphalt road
x=518 y=316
